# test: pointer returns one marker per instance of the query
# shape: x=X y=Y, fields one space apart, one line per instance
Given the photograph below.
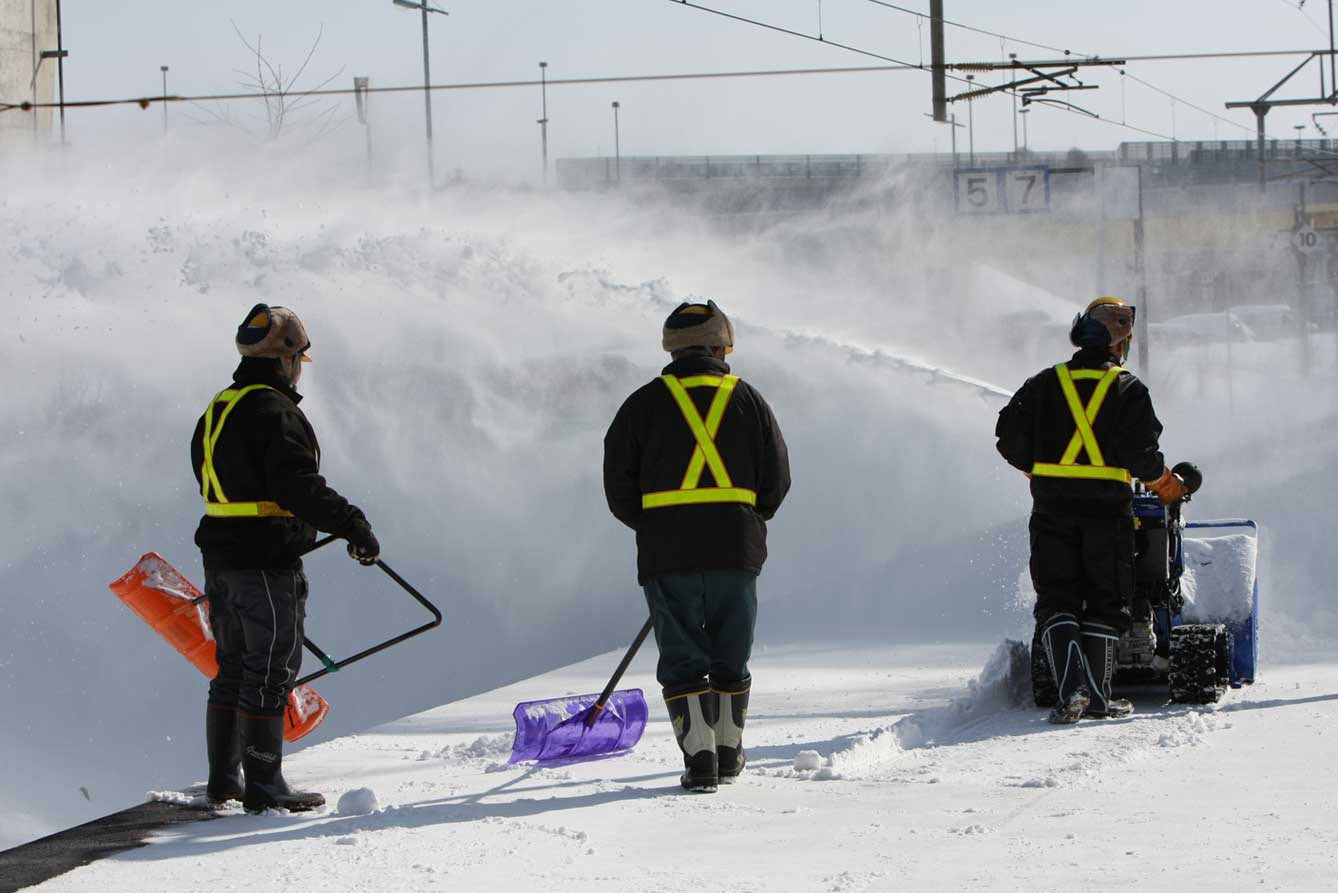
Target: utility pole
x=952 y=128
x=1303 y=309
x=424 y=8
x=1141 y=278
x=361 y=98
x=543 y=122
x=936 y=62
x=971 y=124
x=1013 y=57
x=163 y=68
x=617 y=147
x=1025 y=144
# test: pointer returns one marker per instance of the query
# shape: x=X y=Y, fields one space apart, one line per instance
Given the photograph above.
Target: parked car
x=1268 y=321
x=1201 y=328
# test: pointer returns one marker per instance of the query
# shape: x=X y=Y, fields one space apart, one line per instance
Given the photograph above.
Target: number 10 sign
x=1015 y=190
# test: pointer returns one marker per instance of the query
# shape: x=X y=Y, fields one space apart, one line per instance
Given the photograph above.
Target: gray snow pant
x=704 y=624
x=257 y=618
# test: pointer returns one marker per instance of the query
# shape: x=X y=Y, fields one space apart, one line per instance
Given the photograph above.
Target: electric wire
x=146 y=101
x=1300 y=8
x=793 y=33
x=965 y=27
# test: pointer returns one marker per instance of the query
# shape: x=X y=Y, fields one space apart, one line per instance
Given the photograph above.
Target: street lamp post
x=427 y=79
x=543 y=122
x=163 y=68
x=617 y=147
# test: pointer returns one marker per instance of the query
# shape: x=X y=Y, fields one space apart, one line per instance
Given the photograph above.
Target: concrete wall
x=26 y=28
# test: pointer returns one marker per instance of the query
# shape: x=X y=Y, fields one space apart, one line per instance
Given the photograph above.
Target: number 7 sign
x=1027 y=189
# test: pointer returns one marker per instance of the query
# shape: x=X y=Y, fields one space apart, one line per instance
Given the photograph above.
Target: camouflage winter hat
x=697 y=325
x=271 y=332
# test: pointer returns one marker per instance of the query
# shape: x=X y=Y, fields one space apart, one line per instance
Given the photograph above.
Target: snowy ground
x=925 y=778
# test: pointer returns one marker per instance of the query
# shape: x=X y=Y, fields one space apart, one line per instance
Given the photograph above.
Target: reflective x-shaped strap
x=212 y=432
x=1083 y=416
x=705 y=455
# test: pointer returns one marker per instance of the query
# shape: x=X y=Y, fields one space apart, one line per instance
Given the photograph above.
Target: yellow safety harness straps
x=220 y=507
x=1084 y=439
x=705 y=454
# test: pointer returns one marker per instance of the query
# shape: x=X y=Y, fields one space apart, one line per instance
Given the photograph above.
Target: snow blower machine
x=1195 y=606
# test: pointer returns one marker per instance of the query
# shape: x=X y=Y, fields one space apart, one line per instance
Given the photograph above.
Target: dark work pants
x=1083 y=567
x=257 y=618
x=703 y=626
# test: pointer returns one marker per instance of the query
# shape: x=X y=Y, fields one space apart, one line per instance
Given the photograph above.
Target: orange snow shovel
x=168 y=602
x=165 y=600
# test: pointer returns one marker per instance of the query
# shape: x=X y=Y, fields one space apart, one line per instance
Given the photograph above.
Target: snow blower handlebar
x=329 y=664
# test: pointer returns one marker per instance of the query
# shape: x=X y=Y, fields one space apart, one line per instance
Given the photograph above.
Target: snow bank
x=1218 y=583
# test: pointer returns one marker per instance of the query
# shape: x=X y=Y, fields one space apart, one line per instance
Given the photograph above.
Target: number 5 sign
x=1003 y=190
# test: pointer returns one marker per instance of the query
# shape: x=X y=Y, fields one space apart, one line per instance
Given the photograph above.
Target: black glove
x=362 y=544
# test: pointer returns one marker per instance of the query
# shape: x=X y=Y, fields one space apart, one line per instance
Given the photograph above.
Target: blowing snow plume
x=470 y=349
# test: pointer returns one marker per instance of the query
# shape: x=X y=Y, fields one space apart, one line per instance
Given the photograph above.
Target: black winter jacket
x=648 y=448
x=267 y=452
x=1036 y=426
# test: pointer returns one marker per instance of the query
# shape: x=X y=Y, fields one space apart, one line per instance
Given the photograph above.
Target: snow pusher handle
x=592 y=715
x=333 y=666
x=329 y=664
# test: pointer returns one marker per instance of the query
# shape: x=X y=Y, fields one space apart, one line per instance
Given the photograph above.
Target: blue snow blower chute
x=1195 y=611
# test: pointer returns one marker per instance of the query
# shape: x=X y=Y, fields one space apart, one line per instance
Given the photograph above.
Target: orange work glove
x=1169 y=488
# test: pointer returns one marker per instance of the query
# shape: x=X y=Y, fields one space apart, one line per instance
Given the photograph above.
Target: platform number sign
x=1305 y=239
x=1012 y=190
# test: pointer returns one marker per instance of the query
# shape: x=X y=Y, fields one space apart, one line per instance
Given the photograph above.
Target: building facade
x=27 y=29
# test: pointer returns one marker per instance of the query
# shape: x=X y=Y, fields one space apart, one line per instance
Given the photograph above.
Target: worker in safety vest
x=695 y=463
x=1081 y=431
x=257 y=461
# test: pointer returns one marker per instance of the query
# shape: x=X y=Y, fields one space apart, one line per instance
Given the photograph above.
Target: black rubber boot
x=1060 y=636
x=223 y=743
x=733 y=713
x=262 y=760
x=1099 y=643
x=694 y=714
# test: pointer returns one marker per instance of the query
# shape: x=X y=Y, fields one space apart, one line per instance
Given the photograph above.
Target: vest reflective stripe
x=220 y=507
x=1084 y=439
x=704 y=455
x=700 y=496
x=246 y=510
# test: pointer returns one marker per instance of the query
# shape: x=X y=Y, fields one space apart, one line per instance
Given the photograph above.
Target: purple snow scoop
x=569 y=728
x=583 y=725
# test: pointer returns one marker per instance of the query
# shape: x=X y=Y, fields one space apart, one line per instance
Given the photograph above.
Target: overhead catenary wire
x=965 y=27
x=146 y=101
x=819 y=38
x=1301 y=9
x=1126 y=59
x=1062 y=106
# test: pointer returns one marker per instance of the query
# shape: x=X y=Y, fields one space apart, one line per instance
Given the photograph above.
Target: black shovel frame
x=329 y=664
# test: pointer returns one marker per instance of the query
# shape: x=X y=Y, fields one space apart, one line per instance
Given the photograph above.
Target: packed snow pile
x=1218 y=583
x=359 y=801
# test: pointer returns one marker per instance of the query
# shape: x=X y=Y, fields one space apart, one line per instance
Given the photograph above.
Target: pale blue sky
x=115 y=50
